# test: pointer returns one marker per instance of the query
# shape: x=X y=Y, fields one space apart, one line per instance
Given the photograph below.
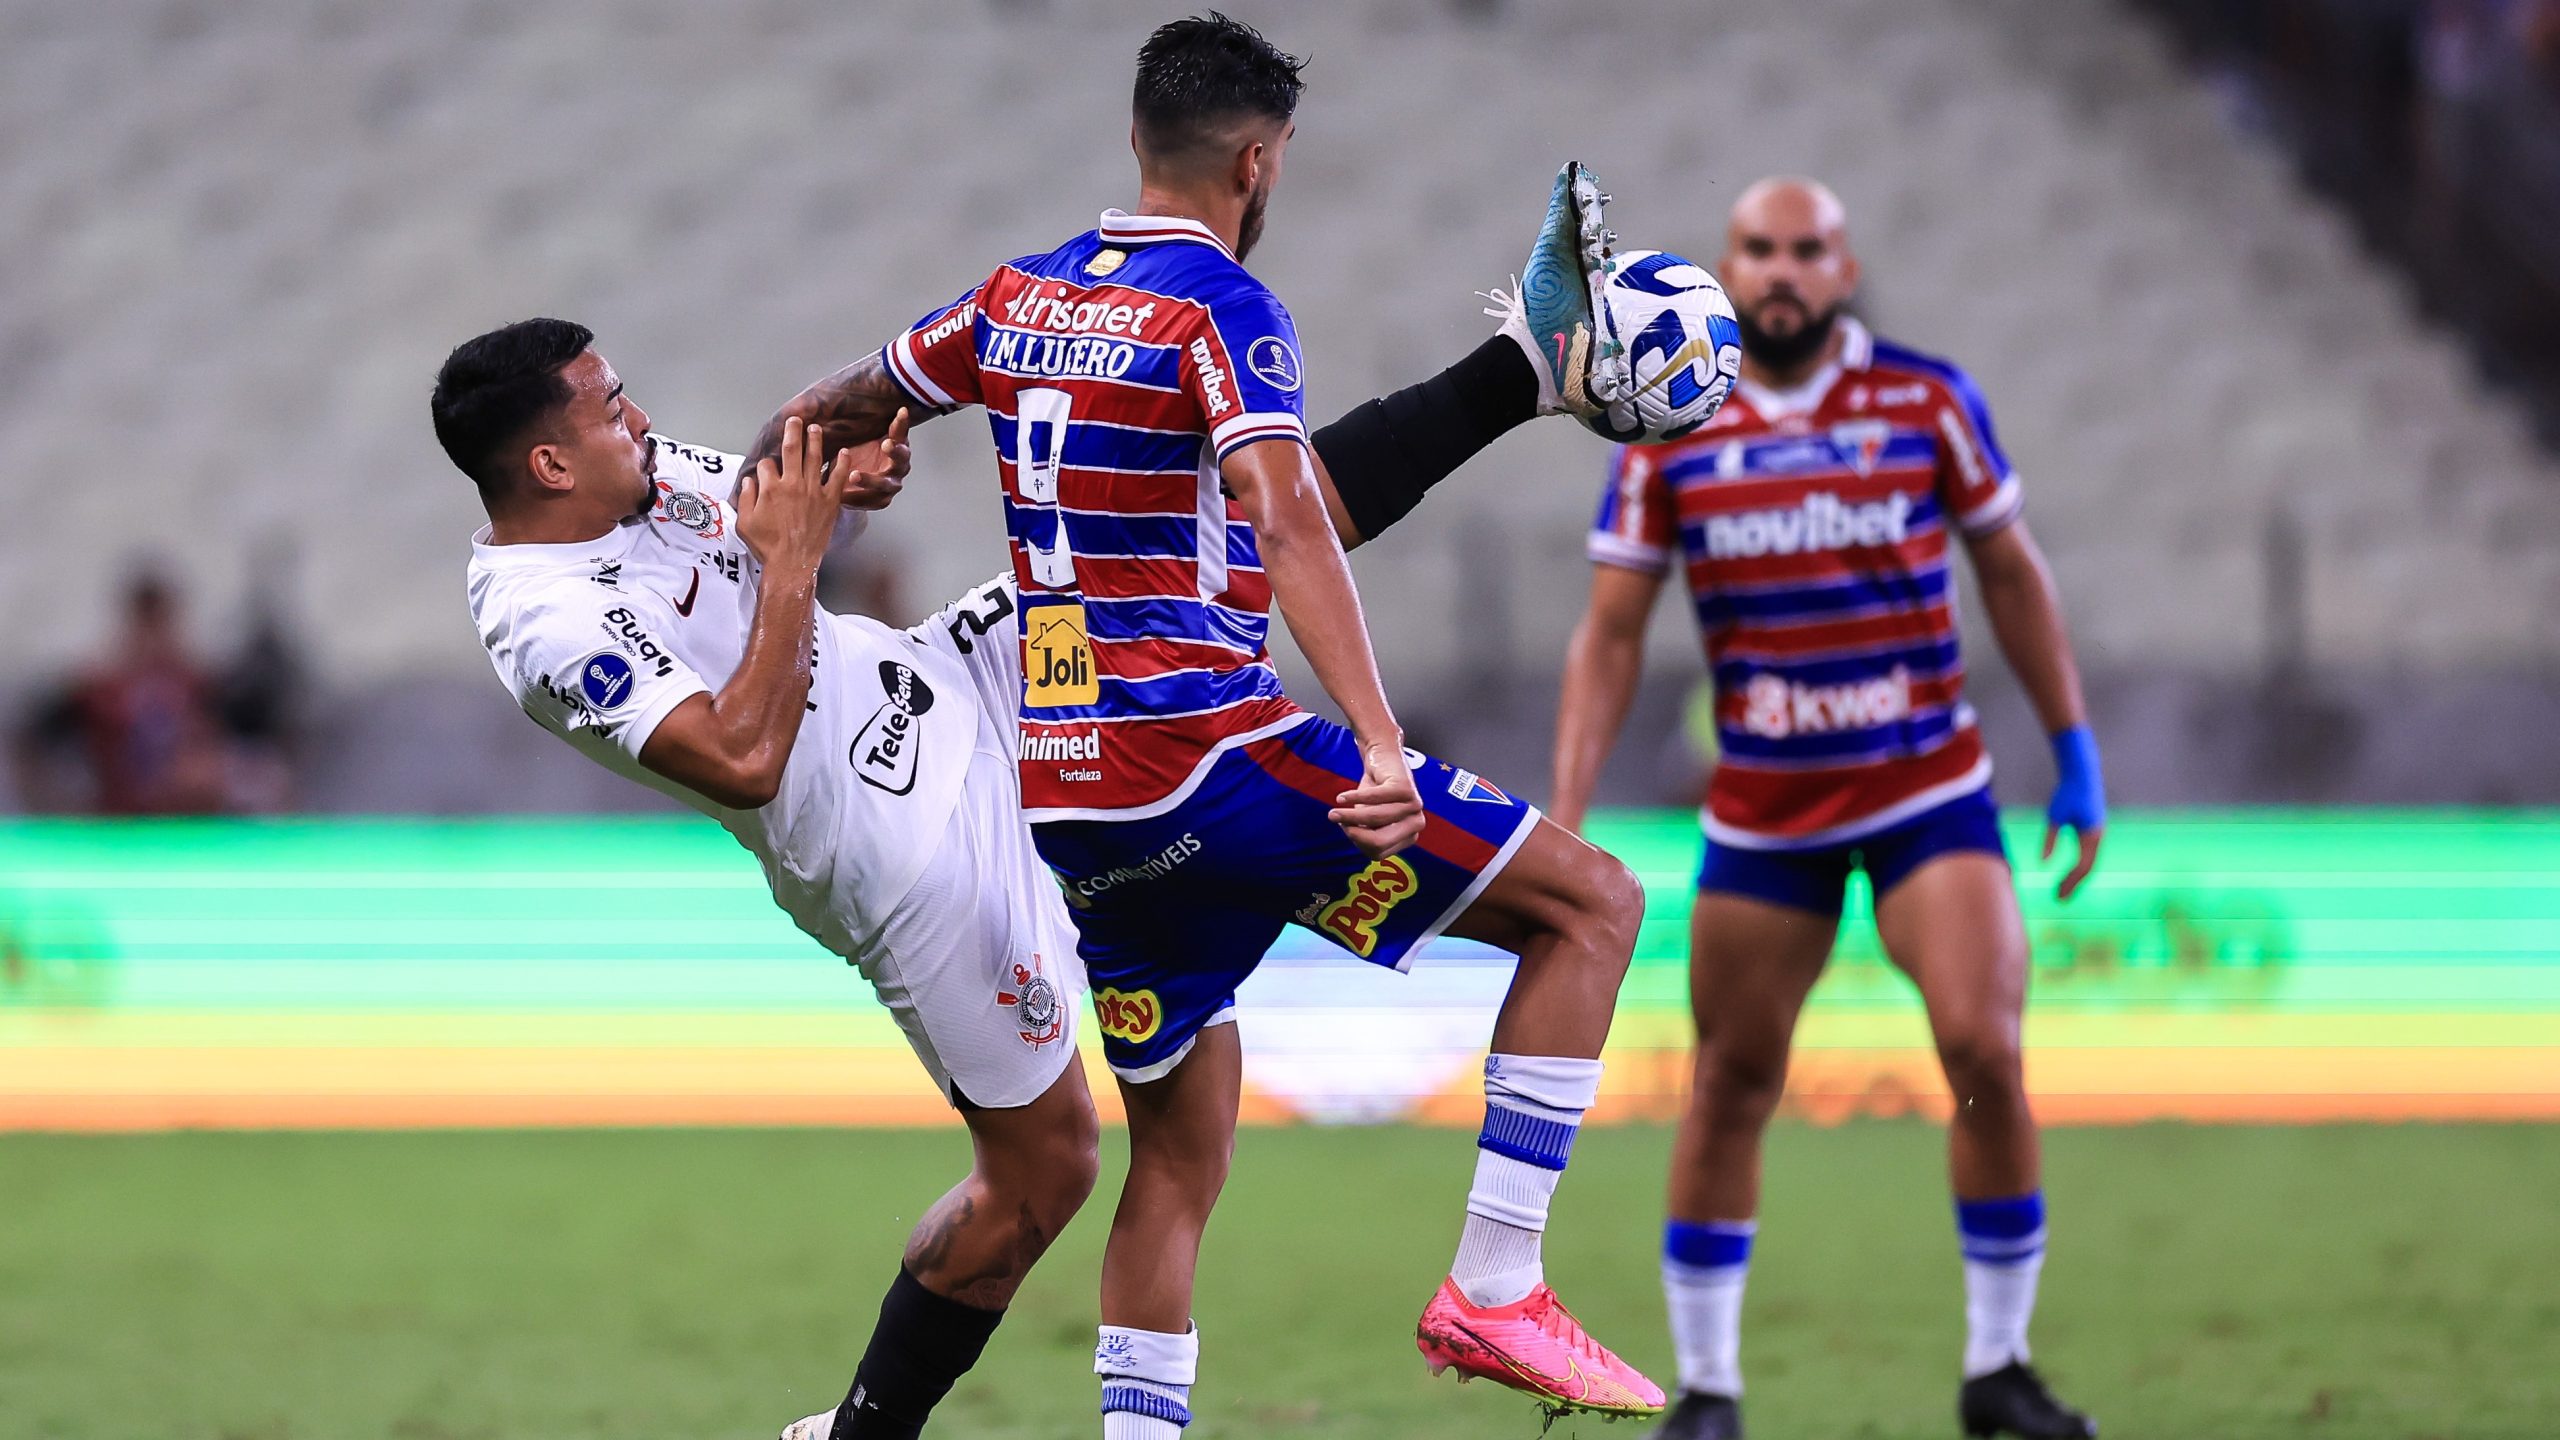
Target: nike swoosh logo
x=684 y=607
x=1571 y=1385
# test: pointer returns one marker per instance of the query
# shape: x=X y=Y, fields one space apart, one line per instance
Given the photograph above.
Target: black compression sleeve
x=1387 y=452
x=923 y=1345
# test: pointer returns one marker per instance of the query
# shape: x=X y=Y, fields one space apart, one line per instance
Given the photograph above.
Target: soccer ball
x=1682 y=342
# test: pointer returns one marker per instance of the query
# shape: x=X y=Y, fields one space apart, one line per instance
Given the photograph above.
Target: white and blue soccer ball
x=1681 y=339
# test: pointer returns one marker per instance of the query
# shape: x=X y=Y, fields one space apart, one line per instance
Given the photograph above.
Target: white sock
x=1704 y=1267
x=2003 y=1244
x=1498 y=1249
x=1515 y=324
x=1146 y=1381
x=1533 y=1108
x=1999 y=1300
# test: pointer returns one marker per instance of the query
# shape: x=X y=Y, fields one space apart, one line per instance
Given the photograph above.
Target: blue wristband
x=2079 y=791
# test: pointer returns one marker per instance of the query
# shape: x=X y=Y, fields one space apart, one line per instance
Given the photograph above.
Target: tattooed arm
x=858 y=405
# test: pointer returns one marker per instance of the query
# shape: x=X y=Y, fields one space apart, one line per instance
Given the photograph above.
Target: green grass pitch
x=2333 y=1282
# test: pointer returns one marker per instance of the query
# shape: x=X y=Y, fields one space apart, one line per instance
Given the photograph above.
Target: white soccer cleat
x=816 y=1427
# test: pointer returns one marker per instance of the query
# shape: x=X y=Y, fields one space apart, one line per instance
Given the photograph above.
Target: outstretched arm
x=2026 y=618
x=858 y=405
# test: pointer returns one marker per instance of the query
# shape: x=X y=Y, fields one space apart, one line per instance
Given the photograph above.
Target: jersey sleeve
x=713 y=473
x=1975 y=482
x=1241 y=367
x=590 y=667
x=936 y=361
x=1635 y=529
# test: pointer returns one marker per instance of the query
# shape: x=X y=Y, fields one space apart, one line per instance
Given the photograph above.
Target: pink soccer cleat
x=1532 y=1345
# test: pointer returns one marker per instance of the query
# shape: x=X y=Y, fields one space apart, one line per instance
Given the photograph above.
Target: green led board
x=2231 y=963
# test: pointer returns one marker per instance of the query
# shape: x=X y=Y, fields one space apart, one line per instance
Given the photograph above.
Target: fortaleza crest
x=1861 y=443
x=691 y=509
x=1035 y=1005
x=1134 y=1017
x=1353 y=920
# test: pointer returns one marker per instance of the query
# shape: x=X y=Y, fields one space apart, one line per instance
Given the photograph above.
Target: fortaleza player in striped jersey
x=652 y=603
x=1813 y=518
x=1160 y=494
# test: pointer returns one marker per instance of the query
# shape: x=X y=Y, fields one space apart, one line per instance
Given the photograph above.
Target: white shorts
x=978 y=962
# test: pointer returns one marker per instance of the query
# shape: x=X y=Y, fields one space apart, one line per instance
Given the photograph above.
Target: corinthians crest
x=692 y=510
x=1035 y=1005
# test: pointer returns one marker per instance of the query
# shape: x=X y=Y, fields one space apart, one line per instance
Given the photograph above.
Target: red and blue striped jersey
x=1813 y=525
x=1117 y=371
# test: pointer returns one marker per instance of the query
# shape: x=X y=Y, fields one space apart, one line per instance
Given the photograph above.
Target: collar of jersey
x=612 y=542
x=1857 y=352
x=1121 y=228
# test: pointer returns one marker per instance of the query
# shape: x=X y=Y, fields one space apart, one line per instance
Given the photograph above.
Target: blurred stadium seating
x=2305 y=551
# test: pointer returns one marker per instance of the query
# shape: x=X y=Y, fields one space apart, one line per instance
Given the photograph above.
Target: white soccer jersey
x=600 y=640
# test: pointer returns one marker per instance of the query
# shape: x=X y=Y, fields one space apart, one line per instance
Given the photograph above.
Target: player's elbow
x=754 y=795
x=748 y=784
x=738 y=795
x=1282 y=538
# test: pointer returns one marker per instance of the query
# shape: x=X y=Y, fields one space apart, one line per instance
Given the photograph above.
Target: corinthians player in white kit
x=657 y=610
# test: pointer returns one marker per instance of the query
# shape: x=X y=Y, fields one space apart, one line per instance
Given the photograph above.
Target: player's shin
x=1146 y=1381
x=1533 y=1109
x=923 y=1345
x=2003 y=1243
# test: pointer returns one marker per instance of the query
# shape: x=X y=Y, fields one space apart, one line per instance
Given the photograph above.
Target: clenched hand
x=1383 y=813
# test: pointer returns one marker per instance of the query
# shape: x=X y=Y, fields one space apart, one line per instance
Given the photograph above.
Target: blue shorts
x=1175 y=910
x=1817 y=879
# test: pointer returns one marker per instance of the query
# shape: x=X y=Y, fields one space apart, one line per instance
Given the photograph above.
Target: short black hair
x=494 y=388
x=1197 y=75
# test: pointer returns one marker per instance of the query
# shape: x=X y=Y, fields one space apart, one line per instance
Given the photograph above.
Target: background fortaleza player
x=654 y=605
x=1812 y=518
x=1145 y=397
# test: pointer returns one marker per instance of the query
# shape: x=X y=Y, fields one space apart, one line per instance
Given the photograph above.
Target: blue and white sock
x=1704 y=1266
x=2003 y=1254
x=1146 y=1381
x=1533 y=1107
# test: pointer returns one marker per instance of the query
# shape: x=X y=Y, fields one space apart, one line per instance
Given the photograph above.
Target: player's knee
x=1982 y=1064
x=1740 y=1086
x=1044 y=1161
x=1075 y=1163
x=1056 y=1176
x=1607 y=909
x=1191 y=1158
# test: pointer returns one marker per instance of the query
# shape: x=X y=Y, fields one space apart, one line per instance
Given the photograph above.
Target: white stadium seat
x=231 y=284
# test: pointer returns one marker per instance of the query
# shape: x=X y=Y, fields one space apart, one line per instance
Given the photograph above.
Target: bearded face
x=1782 y=333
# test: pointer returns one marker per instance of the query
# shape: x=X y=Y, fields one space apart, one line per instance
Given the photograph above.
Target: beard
x=1249 y=230
x=1786 y=352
